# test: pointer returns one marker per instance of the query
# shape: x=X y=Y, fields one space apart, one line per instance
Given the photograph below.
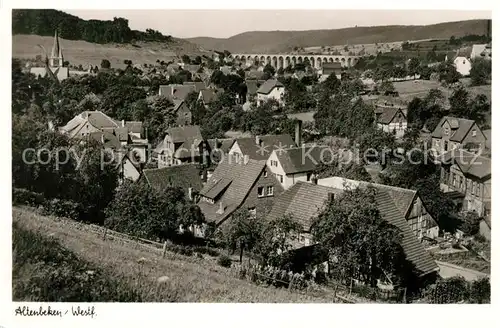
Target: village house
x=481 y=51
x=115 y=134
x=271 y=89
x=331 y=68
x=181 y=145
x=406 y=201
x=208 y=96
x=462 y=60
x=182 y=112
x=188 y=177
x=176 y=91
x=452 y=133
x=252 y=87
x=466 y=178
x=237 y=183
x=260 y=147
x=297 y=164
x=198 y=86
x=391 y=120
x=305 y=201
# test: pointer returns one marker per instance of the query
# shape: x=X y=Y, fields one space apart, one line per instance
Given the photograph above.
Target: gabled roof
x=304 y=210
x=469 y=163
x=460 y=127
x=198 y=86
x=134 y=126
x=269 y=85
x=99 y=120
x=184 y=176
x=188 y=138
x=223 y=144
x=388 y=113
x=108 y=140
x=254 y=74
x=301 y=159
x=464 y=52
x=268 y=143
x=121 y=133
x=208 y=96
x=176 y=91
x=304 y=201
x=184 y=133
x=177 y=104
x=229 y=184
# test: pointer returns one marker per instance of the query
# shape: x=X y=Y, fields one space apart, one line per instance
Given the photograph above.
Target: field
x=84 y=53
x=186 y=279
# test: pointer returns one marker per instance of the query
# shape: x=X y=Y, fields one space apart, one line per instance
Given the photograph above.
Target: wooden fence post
x=164 y=249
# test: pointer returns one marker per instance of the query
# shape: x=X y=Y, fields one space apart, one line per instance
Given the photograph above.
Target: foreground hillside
x=276 y=41
x=189 y=279
x=84 y=53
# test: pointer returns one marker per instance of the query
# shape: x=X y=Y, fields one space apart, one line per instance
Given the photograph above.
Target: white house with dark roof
x=271 y=89
x=182 y=144
x=452 y=133
x=297 y=164
x=260 y=147
x=391 y=120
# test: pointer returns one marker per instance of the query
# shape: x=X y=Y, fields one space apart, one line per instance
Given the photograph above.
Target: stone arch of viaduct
x=285 y=60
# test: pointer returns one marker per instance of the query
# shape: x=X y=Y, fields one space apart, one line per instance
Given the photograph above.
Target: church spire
x=56 y=58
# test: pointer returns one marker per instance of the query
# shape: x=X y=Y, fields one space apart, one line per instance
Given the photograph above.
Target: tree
x=360 y=243
x=145 y=212
x=105 y=63
x=480 y=72
x=186 y=59
x=480 y=291
x=268 y=69
x=386 y=87
x=275 y=240
x=413 y=66
x=348 y=170
x=376 y=146
x=470 y=223
x=459 y=102
x=243 y=232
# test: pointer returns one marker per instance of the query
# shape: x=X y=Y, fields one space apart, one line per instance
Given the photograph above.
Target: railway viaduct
x=285 y=60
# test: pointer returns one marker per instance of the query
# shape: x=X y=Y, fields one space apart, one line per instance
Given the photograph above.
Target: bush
x=26 y=197
x=480 y=291
x=62 y=208
x=224 y=261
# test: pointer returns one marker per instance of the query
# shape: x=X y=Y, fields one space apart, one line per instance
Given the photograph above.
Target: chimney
x=314 y=179
x=298 y=133
x=190 y=193
x=221 y=208
x=258 y=141
x=123 y=123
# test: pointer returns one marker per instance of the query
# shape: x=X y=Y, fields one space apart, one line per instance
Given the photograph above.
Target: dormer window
x=474 y=132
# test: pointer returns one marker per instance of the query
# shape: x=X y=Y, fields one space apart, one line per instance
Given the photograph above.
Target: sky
x=226 y=23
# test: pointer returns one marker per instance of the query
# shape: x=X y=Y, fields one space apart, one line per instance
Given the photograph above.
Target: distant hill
x=84 y=53
x=282 y=41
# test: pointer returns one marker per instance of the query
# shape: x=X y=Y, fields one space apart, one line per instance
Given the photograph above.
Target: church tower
x=56 y=57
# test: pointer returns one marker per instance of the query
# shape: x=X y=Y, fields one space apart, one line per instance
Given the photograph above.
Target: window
x=473 y=133
x=280 y=177
x=454 y=177
x=309 y=176
x=446 y=131
x=478 y=189
x=265 y=174
x=463 y=62
x=270 y=190
x=252 y=211
x=260 y=191
x=445 y=145
x=473 y=188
